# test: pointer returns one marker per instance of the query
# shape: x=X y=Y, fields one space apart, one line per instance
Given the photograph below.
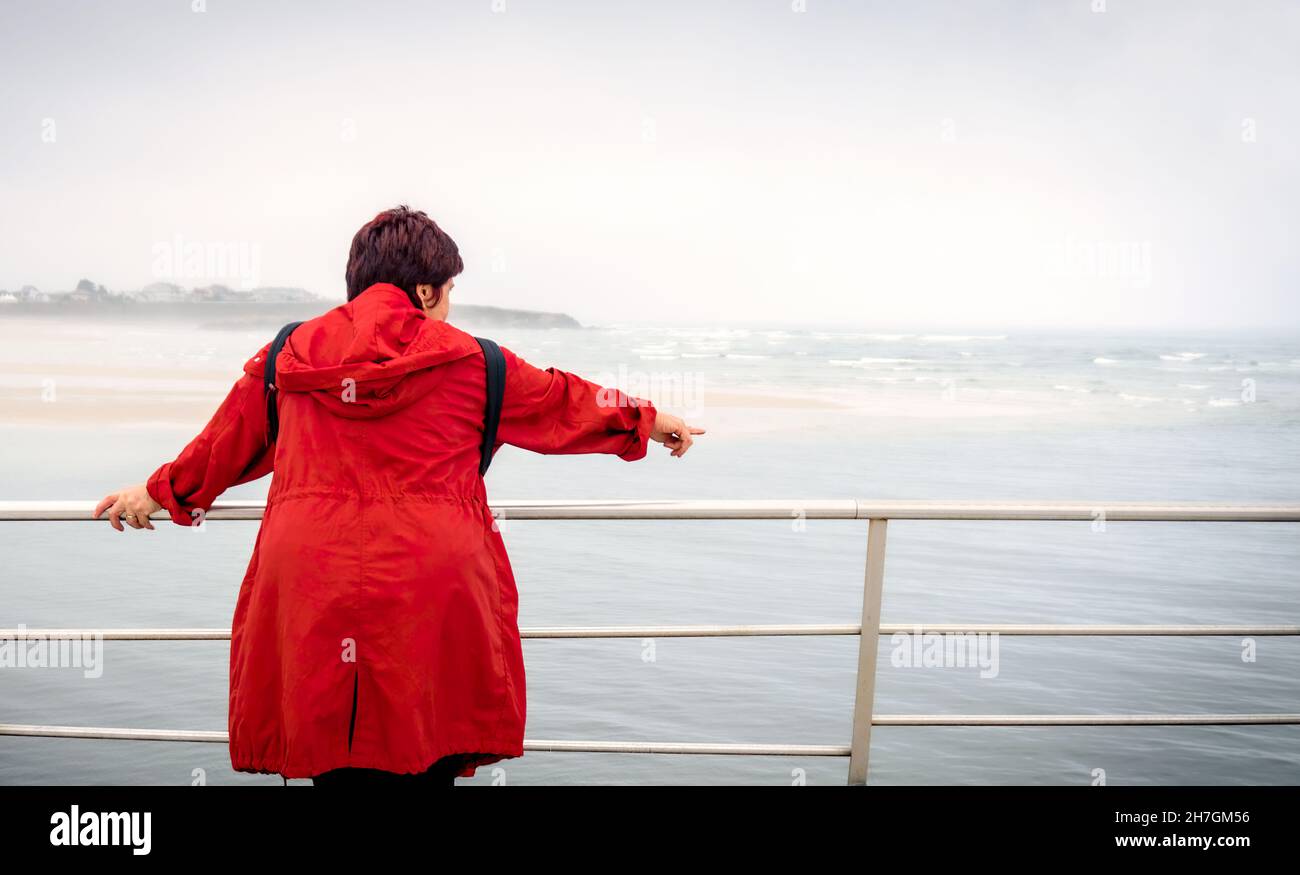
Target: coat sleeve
x=555 y=412
x=232 y=449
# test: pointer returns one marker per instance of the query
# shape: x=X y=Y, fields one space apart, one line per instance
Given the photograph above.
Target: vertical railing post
x=868 y=650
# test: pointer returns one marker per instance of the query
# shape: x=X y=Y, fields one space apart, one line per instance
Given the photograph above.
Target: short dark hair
x=403 y=247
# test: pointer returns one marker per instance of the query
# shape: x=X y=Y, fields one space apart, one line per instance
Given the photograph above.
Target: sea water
x=792 y=414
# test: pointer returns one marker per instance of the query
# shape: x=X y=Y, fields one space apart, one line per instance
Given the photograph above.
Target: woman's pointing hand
x=674 y=433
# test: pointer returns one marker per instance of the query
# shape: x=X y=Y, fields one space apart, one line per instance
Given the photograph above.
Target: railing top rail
x=1038 y=630
x=756 y=509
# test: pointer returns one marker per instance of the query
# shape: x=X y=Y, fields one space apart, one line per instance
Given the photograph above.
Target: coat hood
x=369 y=357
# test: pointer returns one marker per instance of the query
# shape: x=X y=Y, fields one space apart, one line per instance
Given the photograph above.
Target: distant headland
x=221 y=307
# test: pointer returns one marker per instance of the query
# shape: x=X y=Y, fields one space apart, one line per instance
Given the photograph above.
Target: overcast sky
x=891 y=164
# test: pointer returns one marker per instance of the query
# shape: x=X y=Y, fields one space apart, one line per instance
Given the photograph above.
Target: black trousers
x=440 y=774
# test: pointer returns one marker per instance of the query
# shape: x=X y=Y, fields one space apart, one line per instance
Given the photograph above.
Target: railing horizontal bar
x=797 y=750
x=116 y=733
x=1051 y=630
x=1119 y=511
x=558 y=632
x=1083 y=719
x=688 y=631
x=123 y=734
x=949 y=720
x=768 y=509
x=1039 y=630
x=785 y=509
x=117 y=634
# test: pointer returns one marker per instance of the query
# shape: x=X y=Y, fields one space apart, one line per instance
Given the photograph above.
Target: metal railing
x=869 y=629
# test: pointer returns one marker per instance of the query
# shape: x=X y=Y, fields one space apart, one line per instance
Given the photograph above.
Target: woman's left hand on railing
x=133 y=504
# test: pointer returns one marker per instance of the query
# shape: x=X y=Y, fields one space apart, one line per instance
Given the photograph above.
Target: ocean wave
x=1194 y=386
x=867 y=361
x=1105 y=361
x=719 y=334
x=960 y=338
x=1222 y=402
x=851 y=335
x=1182 y=357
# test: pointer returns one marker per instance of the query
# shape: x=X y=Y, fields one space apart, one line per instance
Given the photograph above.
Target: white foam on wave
x=960 y=338
x=850 y=335
x=716 y=334
x=1105 y=361
x=1183 y=357
x=1194 y=386
x=1222 y=402
x=868 y=361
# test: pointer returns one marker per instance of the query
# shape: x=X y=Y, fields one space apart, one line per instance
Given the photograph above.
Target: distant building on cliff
x=163 y=293
x=25 y=295
x=218 y=292
x=87 y=292
x=283 y=295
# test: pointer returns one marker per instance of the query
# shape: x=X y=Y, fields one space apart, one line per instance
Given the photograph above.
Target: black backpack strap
x=495 y=364
x=268 y=381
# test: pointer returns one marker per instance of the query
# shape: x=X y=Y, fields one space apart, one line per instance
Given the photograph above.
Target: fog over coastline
x=939 y=165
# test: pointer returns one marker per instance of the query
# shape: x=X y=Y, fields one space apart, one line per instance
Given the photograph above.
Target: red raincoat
x=376 y=626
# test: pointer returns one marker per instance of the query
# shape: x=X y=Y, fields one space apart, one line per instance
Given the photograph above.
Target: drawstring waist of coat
x=343 y=496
